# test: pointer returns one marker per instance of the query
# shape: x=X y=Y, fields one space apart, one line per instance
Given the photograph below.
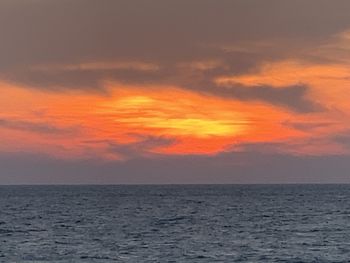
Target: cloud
x=36 y=127
x=185 y=91
x=82 y=32
x=319 y=146
x=81 y=45
x=142 y=146
x=290 y=97
x=343 y=139
x=307 y=126
x=115 y=29
x=98 y=66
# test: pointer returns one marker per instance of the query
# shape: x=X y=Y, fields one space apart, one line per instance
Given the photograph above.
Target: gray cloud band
x=166 y=34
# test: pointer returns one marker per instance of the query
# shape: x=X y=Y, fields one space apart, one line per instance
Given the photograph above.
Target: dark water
x=175 y=223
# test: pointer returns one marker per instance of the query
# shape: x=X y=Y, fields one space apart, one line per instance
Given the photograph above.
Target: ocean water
x=233 y=223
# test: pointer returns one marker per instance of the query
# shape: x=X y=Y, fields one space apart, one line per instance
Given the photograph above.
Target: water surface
x=235 y=223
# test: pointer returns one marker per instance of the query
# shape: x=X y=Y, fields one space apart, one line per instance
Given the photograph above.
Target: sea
x=175 y=223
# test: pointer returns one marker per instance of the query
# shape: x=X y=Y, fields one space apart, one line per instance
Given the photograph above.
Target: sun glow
x=125 y=117
x=147 y=120
x=187 y=116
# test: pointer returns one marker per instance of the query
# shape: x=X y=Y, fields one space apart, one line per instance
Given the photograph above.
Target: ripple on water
x=175 y=224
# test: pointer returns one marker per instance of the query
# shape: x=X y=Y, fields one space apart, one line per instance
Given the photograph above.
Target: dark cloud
x=143 y=147
x=81 y=79
x=263 y=147
x=343 y=139
x=37 y=127
x=307 y=126
x=291 y=97
x=66 y=30
x=241 y=34
x=165 y=32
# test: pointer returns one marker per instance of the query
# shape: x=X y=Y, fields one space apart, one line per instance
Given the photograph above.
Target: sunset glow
x=82 y=125
x=207 y=83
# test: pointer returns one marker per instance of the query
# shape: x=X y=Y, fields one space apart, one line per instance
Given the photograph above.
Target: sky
x=185 y=91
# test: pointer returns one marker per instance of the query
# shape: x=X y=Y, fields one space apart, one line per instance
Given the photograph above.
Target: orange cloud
x=329 y=82
x=111 y=125
x=91 y=66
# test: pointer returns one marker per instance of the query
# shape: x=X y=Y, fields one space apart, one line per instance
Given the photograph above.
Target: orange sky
x=170 y=120
x=238 y=85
